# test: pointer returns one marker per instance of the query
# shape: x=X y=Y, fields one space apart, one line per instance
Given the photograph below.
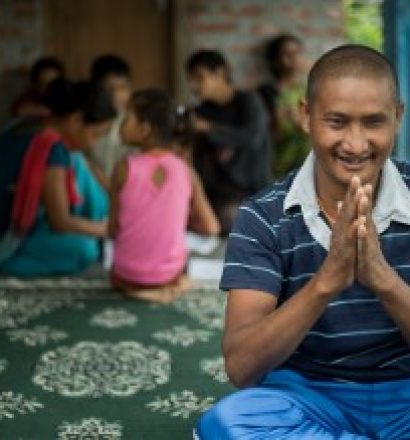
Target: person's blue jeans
x=288 y=406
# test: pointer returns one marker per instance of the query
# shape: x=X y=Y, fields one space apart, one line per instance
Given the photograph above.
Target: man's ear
x=399 y=114
x=304 y=115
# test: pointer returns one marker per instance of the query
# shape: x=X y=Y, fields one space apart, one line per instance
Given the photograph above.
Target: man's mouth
x=353 y=162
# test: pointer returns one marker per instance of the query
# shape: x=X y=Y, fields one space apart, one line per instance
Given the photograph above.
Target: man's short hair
x=106 y=65
x=351 y=60
x=209 y=59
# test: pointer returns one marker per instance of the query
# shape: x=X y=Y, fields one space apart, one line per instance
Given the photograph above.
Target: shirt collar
x=392 y=202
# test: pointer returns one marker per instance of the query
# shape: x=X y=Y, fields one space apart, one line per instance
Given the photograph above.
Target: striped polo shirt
x=279 y=241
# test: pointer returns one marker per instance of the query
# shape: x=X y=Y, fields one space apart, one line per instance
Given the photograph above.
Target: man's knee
x=215 y=422
x=255 y=408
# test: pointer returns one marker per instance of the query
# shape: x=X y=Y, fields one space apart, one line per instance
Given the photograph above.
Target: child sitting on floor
x=154 y=195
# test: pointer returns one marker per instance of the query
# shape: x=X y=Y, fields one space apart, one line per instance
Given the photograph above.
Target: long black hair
x=64 y=97
x=170 y=122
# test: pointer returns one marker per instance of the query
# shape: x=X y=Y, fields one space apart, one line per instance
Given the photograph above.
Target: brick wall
x=239 y=28
x=21 y=42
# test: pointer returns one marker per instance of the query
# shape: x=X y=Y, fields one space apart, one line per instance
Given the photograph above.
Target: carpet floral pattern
x=79 y=361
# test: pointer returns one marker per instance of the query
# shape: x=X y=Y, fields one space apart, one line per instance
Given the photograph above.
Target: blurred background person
x=281 y=95
x=52 y=210
x=114 y=74
x=232 y=149
x=155 y=196
x=42 y=73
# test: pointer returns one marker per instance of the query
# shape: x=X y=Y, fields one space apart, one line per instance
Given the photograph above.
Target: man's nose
x=355 y=140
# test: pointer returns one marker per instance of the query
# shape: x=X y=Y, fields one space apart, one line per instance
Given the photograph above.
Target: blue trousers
x=45 y=252
x=288 y=406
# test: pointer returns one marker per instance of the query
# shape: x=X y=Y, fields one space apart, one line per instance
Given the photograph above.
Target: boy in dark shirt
x=232 y=152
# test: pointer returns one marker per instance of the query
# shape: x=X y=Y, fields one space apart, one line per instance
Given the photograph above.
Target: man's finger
x=350 y=203
x=363 y=205
x=368 y=191
x=361 y=231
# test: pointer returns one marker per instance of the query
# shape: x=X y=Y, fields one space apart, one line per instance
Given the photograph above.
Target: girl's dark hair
x=169 y=121
x=274 y=49
x=46 y=63
x=64 y=97
x=106 y=65
x=275 y=45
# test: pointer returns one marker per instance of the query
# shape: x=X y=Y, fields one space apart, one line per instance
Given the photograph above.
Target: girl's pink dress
x=149 y=247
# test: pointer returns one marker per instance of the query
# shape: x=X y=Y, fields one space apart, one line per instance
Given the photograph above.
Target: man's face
x=205 y=83
x=352 y=125
x=119 y=88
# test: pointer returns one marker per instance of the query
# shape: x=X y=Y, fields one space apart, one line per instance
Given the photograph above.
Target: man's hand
x=338 y=270
x=372 y=269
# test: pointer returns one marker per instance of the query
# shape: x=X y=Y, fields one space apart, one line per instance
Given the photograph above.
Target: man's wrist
x=388 y=281
x=323 y=287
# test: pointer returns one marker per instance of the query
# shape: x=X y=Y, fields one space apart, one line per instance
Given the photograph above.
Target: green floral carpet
x=78 y=361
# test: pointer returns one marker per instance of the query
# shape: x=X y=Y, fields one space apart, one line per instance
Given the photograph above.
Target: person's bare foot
x=181 y=286
x=164 y=295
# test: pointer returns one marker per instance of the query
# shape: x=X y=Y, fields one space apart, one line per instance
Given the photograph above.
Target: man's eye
x=336 y=123
x=374 y=122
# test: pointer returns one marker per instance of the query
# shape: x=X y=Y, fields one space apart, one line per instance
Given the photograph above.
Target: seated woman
x=52 y=210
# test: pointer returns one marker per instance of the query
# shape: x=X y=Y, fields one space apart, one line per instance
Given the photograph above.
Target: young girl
x=154 y=195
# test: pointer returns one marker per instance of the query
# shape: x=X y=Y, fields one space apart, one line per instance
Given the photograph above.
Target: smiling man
x=318 y=271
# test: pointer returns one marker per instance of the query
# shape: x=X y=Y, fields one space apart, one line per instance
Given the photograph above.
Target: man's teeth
x=353 y=160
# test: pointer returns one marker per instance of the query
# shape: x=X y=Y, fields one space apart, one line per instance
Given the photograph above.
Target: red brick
x=334 y=31
x=214 y=27
x=309 y=31
x=306 y=14
x=298 y=13
x=243 y=11
x=264 y=29
x=334 y=13
x=243 y=48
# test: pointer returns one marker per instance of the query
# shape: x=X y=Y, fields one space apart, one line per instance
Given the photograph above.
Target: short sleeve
x=59 y=156
x=252 y=258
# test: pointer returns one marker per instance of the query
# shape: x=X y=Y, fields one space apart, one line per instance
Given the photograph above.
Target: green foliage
x=364 y=22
